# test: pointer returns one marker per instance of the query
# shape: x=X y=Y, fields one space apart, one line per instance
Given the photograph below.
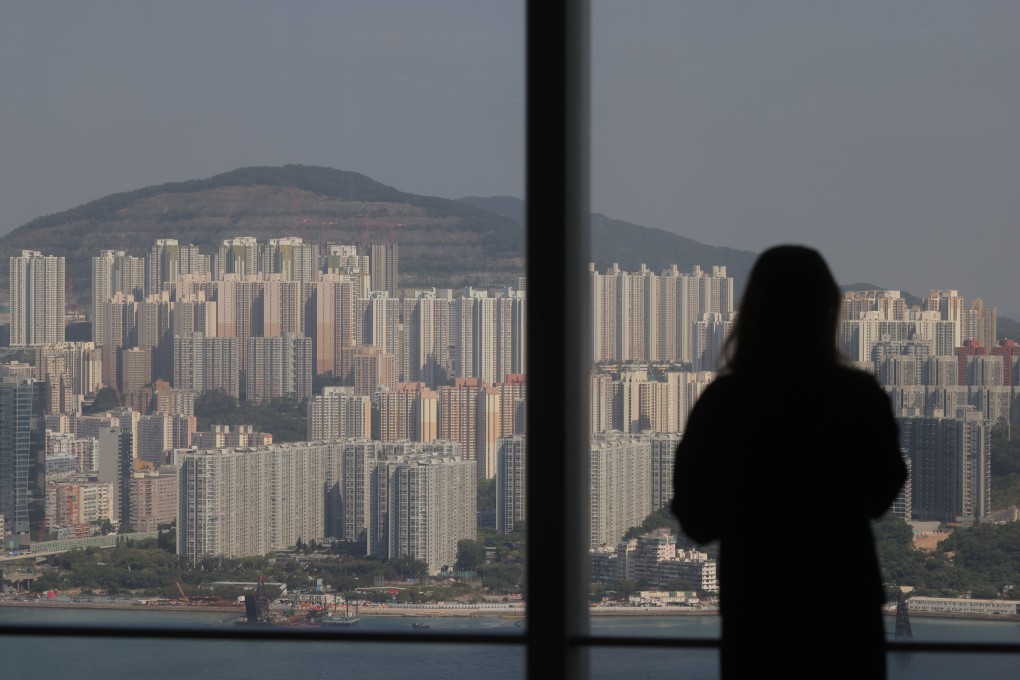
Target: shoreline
x=472 y=611
x=469 y=611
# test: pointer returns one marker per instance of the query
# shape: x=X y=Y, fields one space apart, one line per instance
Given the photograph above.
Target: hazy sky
x=885 y=133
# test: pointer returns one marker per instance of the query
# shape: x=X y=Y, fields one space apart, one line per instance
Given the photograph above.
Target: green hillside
x=474 y=241
x=442 y=242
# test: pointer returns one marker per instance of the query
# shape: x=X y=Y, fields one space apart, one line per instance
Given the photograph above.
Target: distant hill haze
x=476 y=241
x=446 y=243
x=442 y=242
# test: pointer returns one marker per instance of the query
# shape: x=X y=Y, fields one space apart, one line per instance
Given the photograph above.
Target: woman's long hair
x=789 y=312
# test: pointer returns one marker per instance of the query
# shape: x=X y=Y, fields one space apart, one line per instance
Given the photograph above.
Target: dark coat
x=787 y=470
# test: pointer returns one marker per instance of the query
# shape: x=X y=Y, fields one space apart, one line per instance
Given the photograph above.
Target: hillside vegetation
x=445 y=243
x=442 y=242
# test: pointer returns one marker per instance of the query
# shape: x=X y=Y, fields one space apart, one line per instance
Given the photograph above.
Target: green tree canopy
x=106 y=399
x=470 y=554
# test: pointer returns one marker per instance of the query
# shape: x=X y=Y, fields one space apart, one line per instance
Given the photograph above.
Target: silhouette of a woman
x=786 y=458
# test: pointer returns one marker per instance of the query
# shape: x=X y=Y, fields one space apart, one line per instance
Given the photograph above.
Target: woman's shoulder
x=718 y=395
x=859 y=389
x=721 y=385
x=853 y=377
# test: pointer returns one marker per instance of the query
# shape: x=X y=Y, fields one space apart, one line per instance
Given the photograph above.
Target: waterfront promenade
x=436 y=609
x=499 y=609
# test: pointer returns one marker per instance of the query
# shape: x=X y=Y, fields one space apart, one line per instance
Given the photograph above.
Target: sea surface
x=145 y=659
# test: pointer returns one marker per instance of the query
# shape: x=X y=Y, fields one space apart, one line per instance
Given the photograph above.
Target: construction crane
x=256 y=605
x=903 y=631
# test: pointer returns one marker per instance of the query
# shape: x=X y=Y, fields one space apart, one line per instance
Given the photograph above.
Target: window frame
x=557 y=636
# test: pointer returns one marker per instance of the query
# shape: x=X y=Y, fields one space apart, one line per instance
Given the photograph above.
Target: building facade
x=37 y=290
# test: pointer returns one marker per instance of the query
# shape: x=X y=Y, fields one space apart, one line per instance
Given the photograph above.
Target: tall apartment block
x=980 y=323
x=37 y=299
x=168 y=260
x=384 y=266
x=372 y=368
x=238 y=255
x=512 y=396
x=474 y=336
x=119 y=329
x=425 y=503
x=663 y=454
x=292 y=258
x=630 y=400
x=193 y=313
x=427 y=318
x=153 y=500
x=338 y=413
x=80 y=361
x=114 y=272
x=949 y=306
x=887 y=303
x=76 y=504
x=349 y=509
x=476 y=415
x=511 y=487
x=227 y=437
x=16 y=409
x=857 y=337
x=903 y=505
x=154 y=334
x=283 y=309
x=62 y=444
x=333 y=297
x=488 y=335
x=379 y=322
x=458 y=414
x=155 y=438
x=279 y=366
x=344 y=259
x=643 y=316
x=202 y=364
x=192 y=285
x=708 y=338
x=511 y=327
x=408 y=411
x=620 y=478
x=115 y=463
x=240 y=502
x=239 y=310
x=950 y=466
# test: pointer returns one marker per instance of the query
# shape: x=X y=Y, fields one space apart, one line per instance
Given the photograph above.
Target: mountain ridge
x=474 y=240
x=444 y=242
x=440 y=238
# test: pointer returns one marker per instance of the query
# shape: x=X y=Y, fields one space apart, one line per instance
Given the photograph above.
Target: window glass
x=270 y=289
x=880 y=134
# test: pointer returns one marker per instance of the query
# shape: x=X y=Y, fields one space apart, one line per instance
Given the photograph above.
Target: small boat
x=419 y=624
x=333 y=618
x=342 y=620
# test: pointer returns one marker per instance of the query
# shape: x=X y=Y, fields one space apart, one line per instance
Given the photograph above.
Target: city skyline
x=439 y=365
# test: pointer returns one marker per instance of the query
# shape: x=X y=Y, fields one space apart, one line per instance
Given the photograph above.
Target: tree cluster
x=1005 y=460
x=982 y=561
x=285 y=419
x=505 y=573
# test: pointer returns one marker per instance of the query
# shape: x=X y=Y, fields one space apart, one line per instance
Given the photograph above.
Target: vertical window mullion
x=557 y=250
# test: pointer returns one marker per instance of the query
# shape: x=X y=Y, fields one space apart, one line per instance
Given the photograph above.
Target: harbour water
x=124 y=659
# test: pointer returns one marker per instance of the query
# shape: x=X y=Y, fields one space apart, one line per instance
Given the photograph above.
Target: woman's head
x=789 y=311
